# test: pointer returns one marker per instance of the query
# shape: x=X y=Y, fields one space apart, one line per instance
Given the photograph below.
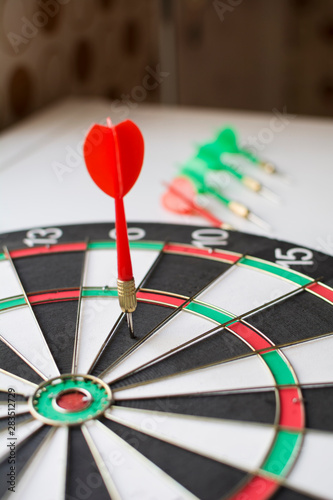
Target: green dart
x=197 y=171
x=208 y=154
x=226 y=142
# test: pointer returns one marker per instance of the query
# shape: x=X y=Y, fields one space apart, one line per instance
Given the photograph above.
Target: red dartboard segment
x=257 y=488
x=253 y=338
x=165 y=300
x=201 y=252
x=291 y=405
x=321 y=290
x=73 y=401
x=54 y=296
x=60 y=248
x=291 y=408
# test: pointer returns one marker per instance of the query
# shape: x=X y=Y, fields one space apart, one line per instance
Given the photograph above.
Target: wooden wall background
x=241 y=54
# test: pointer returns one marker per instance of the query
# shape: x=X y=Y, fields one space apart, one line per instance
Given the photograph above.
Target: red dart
x=114 y=157
x=180 y=197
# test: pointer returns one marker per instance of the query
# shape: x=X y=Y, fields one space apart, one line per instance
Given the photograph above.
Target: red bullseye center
x=73 y=400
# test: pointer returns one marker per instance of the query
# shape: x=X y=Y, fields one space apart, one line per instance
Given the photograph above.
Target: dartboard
x=226 y=391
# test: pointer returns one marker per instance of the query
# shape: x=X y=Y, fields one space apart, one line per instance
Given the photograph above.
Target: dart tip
x=269 y=195
x=258 y=221
x=129 y=317
x=127 y=301
x=271 y=169
x=226 y=226
x=285 y=178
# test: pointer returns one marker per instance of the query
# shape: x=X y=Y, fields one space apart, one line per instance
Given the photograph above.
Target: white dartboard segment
x=239 y=444
x=183 y=327
x=20 y=385
x=9 y=284
x=312 y=360
x=312 y=472
x=101 y=266
x=22 y=432
x=49 y=464
x=20 y=331
x=97 y=317
x=246 y=373
x=240 y=290
x=126 y=472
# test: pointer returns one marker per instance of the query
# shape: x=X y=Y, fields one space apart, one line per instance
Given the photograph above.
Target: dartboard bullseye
x=225 y=392
x=70 y=400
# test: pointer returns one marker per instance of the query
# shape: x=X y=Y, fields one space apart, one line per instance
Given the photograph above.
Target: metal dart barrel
x=127 y=300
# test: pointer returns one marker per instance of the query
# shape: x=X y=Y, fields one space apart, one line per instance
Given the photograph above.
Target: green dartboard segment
x=144 y=245
x=209 y=312
x=282 y=272
x=99 y=292
x=284 y=451
x=13 y=302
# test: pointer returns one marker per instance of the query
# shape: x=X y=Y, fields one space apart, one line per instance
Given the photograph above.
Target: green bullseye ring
x=45 y=404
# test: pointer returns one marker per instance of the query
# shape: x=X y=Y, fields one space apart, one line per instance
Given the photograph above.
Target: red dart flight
x=114 y=157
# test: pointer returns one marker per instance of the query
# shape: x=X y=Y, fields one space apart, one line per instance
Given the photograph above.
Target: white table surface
x=33 y=195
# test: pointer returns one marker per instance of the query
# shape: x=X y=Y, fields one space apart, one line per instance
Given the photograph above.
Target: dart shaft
x=217 y=195
x=125 y=282
x=125 y=272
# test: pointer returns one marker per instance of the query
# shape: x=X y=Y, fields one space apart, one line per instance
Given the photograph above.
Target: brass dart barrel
x=127 y=300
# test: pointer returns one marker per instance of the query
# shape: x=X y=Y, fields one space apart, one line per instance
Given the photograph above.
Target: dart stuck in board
x=114 y=162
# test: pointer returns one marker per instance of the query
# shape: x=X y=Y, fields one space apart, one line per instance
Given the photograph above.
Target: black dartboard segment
x=226 y=391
